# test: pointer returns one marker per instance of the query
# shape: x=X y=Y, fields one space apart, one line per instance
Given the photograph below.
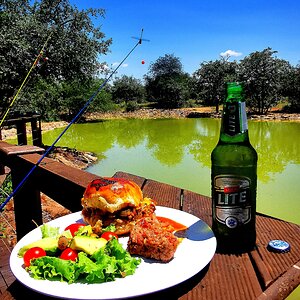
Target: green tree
x=75 y=93
x=166 y=82
x=43 y=98
x=72 y=50
x=291 y=89
x=129 y=90
x=210 y=79
x=263 y=76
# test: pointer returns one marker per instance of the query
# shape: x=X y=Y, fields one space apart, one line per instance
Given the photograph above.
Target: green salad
x=106 y=263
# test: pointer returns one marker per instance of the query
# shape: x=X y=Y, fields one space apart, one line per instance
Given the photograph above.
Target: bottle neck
x=234 y=128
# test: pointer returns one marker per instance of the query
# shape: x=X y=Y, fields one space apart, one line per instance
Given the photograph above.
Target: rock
x=72 y=157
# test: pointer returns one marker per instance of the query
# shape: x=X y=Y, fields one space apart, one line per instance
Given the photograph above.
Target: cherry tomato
x=32 y=253
x=74 y=227
x=69 y=254
x=108 y=235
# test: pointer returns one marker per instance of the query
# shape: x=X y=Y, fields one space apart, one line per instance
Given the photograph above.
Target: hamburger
x=114 y=201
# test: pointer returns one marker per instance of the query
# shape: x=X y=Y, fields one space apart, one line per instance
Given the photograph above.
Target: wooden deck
x=259 y=274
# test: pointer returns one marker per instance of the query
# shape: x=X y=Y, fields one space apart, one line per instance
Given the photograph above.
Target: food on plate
x=74 y=227
x=92 y=252
x=108 y=235
x=86 y=258
x=87 y=244
x=114 y=201
x=49 y=244
x=69 y=254
x=33 y=253
x=150 y=239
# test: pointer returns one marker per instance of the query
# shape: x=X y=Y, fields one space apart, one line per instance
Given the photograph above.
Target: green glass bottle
x=234 y=178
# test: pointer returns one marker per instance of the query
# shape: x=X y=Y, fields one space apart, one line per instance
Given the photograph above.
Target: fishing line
x=29 y=72
x=25 y=79
x=81 y=111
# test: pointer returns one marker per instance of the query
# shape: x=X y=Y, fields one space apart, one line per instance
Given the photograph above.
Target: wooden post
x=36 y=131
x=2 y=167
x=21 y=132
x=27 y=201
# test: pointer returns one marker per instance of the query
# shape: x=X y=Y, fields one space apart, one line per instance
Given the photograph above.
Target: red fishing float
x=143 y=62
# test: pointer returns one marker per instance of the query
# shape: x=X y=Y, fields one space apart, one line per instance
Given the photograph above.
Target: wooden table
x=259 y=274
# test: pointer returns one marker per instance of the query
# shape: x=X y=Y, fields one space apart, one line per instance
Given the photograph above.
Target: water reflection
x=178 y=152
x=277 y=145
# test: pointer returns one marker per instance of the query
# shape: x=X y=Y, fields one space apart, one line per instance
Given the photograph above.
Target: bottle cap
x=279 y=246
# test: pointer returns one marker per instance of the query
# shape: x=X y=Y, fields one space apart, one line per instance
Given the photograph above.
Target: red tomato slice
x=108 y=235
x=74 y=227
x=69 y=254
x=32 y=253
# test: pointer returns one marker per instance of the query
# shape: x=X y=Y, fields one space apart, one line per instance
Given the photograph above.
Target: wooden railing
x=20 y=124
x=62 y=183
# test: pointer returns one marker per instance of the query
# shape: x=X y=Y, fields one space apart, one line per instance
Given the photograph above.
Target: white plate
x=191 y=256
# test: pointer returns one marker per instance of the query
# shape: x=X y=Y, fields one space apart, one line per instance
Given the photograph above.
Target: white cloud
x=229 y=53
x=115 y=64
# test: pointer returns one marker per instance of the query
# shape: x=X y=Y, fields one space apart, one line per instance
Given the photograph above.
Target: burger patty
x=149 y=239
x=123 y=219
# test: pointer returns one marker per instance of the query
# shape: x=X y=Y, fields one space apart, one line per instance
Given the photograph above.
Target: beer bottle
x=234 y=179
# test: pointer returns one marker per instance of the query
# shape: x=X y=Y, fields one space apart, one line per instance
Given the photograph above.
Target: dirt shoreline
x=199 y=112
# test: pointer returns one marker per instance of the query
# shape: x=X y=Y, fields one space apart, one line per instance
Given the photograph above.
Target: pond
x=177 y=151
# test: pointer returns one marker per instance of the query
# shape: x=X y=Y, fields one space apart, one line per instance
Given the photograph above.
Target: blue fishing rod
x=81 y=111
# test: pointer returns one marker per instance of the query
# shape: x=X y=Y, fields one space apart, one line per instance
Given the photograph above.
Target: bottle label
x=232 y=200
x=235 y=118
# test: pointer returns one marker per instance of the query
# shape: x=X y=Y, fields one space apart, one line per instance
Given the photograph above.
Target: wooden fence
x=20 y=124
x=62 y=183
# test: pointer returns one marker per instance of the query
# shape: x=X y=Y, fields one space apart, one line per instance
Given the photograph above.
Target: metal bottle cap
x=278 y=246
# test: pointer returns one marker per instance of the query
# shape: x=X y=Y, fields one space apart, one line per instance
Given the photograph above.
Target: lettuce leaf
x=53 y=268
x=49 y=231
x=107 y=264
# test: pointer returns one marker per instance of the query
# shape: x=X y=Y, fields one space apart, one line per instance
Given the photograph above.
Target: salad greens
x=106 y=264
x=49 y=231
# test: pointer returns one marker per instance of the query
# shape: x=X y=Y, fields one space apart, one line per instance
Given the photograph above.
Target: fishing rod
x=25 y=79
x=29 y=72
x=81 y=111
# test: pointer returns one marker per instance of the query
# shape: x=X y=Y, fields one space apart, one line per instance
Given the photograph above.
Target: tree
x=129 y=90
x=72 y=50
x=210 y=79
x=165 y=65
x=75 y=94
x=166 y=82
x=262 y=75
x=291 y=89
x=44 y=98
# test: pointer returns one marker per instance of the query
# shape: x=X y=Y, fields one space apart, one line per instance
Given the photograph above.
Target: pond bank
x=197 y=112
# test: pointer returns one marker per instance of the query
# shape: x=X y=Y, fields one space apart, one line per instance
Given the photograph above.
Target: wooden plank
x=164 y=194
x=228 y=277
x=137 y=179
x=224 y=270
x=6 y=277
x=284 y=285
x=9 y=149
x=275 y=264
x=198 y=205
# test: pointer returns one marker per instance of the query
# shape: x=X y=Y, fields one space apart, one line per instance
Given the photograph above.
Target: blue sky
x=196 y=31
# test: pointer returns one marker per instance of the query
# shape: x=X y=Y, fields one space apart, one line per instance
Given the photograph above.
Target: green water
x=178 y=152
